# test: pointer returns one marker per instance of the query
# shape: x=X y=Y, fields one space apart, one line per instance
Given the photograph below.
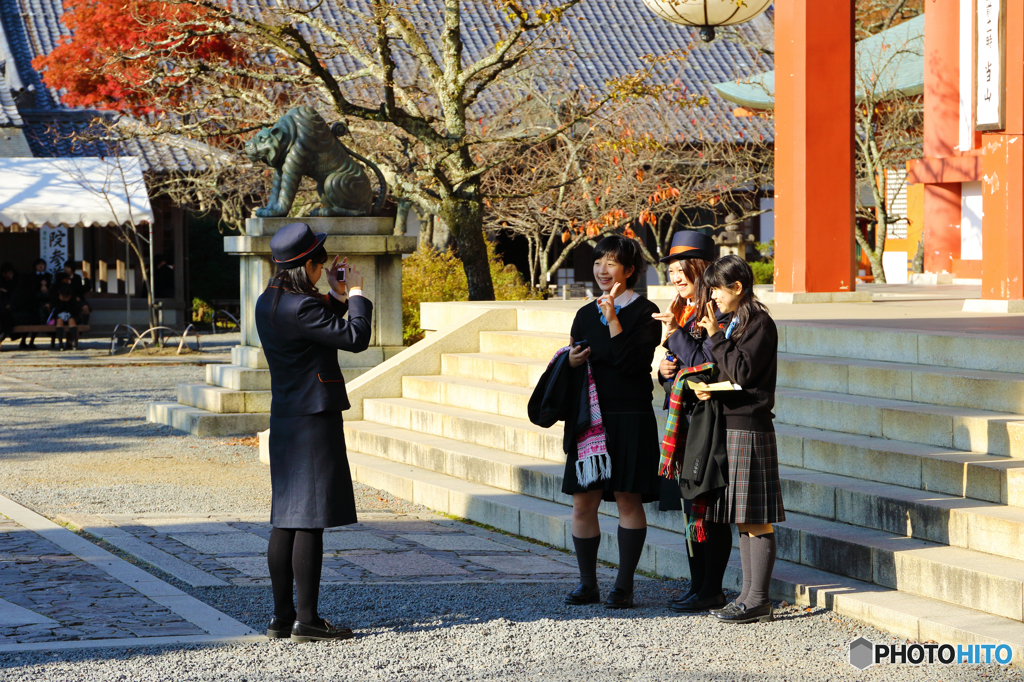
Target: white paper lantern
x=707 y=14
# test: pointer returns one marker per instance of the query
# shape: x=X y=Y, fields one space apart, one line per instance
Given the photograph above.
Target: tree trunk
x=873 y=257
x=464 y=215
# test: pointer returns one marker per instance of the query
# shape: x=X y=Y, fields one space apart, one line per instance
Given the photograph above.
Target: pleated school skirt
x=754 y=492
x=635 y=449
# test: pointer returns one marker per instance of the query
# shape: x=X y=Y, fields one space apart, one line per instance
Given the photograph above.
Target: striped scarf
x=676 y=424
x=593 y=463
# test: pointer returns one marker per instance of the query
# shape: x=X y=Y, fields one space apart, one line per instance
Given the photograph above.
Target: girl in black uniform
x=747 y=354
x=688 y=346
x=302 y=332
x=622 y=337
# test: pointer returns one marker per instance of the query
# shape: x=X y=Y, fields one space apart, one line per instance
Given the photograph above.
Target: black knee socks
x=696 y=567
x=586 y=558
x=279 y=560
x=631 y=546
x=762 y=562
x=717 y=549
x=296 y=555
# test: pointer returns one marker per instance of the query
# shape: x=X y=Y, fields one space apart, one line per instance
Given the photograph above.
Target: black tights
x=296 y=554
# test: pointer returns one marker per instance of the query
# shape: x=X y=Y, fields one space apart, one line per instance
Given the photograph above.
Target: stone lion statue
x=301 y=144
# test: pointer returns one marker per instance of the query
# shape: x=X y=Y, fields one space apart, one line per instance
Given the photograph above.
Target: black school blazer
x=302 y=349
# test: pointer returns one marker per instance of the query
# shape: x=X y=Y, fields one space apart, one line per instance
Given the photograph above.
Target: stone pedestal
x=236 y=397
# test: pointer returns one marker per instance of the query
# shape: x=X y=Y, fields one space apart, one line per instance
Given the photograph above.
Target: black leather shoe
x=696 y=605
x=680 y=600
x=280 y=628
x=303 y=632
x=619 y=599
x=731 y=607
x=759 y=614
x=583 y=595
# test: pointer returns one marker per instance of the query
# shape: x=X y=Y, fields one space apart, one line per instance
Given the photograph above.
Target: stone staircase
x=236 y=397
x=901 y=456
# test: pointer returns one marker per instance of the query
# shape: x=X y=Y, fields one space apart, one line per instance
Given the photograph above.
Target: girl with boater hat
x=746 y=352
x=688 y=345
x=617 y=460
x=301 y=332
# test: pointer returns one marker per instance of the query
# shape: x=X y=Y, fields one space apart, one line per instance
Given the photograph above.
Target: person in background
x=65 y=313
x=746 y=353
x=688 y=345
x=163 y=279
x=617 y=457
x=43 y=282
x=79 y=288
x=8 y=286
x=27 y=305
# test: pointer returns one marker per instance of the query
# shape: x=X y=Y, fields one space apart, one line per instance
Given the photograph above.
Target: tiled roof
x=610 y=38
x=31 y=28
x=890 y=63
x=50 y=133
x=9 y=115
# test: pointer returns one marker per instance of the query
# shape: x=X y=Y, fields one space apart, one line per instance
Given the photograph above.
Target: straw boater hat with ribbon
x=294 y=244
x=691 y=244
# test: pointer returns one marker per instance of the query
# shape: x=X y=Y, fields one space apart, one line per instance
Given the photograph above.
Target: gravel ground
x=501 y=632
x=81 y=445
x=78 y=441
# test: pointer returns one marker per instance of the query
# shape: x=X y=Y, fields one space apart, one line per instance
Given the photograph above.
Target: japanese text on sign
x=989 y=75
x=53 y=247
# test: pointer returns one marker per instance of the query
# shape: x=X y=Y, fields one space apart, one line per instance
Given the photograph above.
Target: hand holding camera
x=341 y=277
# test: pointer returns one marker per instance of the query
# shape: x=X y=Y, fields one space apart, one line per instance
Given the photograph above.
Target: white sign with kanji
x=53 y=247
x=989 y=77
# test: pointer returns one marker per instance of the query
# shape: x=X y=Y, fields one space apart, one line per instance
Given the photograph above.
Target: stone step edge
x=893 y=404
x=979 y=374
x=887 y=491
x=906 y=448
x=984 y=374
x=907 y=616
x=203 y=423
x=882 y=403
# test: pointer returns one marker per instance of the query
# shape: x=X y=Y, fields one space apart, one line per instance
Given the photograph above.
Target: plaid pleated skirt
x=754 y=493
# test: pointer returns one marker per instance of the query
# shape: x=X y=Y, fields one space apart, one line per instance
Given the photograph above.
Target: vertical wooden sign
x=990 y=65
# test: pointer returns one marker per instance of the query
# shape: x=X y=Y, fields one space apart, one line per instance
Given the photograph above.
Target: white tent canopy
x=72 y=192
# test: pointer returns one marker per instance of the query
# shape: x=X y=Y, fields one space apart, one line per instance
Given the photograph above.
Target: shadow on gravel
x=30 y=441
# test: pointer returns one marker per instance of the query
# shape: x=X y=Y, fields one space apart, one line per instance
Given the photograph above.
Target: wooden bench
x=23 y=329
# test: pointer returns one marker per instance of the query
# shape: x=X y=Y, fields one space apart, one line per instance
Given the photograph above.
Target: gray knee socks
x=745 y=563
x=759 y=566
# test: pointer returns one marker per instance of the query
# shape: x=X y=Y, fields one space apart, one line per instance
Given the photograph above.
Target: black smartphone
x=582 y=345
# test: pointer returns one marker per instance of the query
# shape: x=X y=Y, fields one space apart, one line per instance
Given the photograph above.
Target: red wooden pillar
x=1003 y=179
x=941 y=131
x=814 y=153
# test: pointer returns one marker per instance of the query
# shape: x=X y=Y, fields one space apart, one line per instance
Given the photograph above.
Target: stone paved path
x=207 y=551
x=57 y=588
